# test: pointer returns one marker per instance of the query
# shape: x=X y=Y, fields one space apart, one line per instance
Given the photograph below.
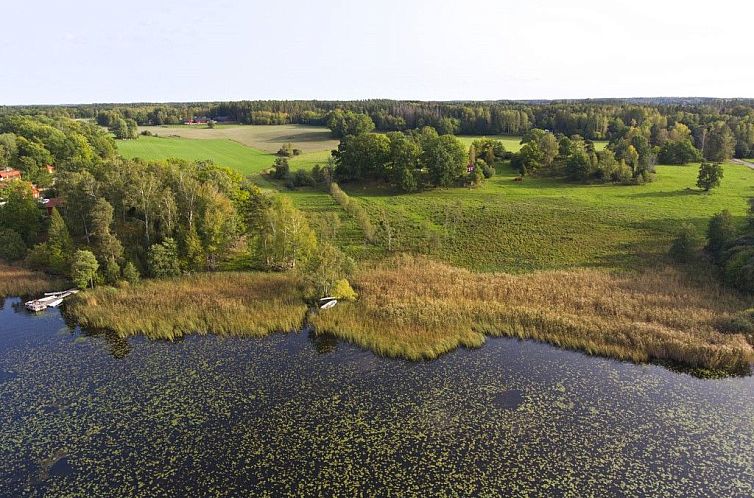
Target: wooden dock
x=51 y=300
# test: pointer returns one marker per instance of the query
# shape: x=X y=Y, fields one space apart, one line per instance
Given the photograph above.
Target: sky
x=84 y=51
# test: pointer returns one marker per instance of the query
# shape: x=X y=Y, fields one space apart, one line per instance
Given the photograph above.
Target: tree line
x=719 y=128
x=122 y=219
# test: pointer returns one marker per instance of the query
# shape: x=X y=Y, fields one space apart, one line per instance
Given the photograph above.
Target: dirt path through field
x=743 y=162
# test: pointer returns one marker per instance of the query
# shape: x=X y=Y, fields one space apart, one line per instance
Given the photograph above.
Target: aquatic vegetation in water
x=212 y=415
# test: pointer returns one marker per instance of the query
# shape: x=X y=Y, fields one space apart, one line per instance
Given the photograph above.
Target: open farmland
x=264 y=138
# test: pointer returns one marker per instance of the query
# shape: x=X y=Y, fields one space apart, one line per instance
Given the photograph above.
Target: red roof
x=8 y=173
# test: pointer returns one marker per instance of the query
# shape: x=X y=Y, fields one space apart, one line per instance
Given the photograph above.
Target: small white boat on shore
x=327 y=302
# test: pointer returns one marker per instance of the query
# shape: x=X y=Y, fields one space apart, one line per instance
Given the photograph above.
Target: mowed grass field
x=247 y=149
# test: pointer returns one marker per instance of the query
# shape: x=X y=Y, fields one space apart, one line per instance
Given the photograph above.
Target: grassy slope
x=246 y=160
x=223 y=151
x=549 y=224
x=513 y=144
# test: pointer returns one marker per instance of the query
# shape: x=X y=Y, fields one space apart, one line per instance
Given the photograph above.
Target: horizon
x=188 y=51
x=448 y=101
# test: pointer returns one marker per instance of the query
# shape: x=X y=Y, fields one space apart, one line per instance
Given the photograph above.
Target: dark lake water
x=86 y=414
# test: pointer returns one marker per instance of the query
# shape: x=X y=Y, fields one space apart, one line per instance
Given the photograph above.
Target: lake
x=90 y=414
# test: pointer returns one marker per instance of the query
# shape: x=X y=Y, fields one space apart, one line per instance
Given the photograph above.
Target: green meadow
x=537 y=224
x=223 y=151
x=545 y=223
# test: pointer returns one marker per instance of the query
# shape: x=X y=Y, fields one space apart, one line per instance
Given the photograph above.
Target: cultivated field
x=265 y=138
x=251 y=156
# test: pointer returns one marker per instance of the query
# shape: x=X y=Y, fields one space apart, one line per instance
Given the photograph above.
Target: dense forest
x=712 y=123
x=111 y=220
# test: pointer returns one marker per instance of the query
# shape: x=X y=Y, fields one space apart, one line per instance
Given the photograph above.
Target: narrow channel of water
x=294 y=414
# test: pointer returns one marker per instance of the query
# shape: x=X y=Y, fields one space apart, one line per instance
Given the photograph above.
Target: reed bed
x=419 y=309
x=16 y=281
x=415 y=308
x=237 y=304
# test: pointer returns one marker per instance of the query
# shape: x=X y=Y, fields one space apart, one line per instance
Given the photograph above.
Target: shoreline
x=417 y=309
x=18 y=281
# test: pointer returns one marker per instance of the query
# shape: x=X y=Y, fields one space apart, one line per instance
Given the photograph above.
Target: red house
x=9 y=174
x=49 y=204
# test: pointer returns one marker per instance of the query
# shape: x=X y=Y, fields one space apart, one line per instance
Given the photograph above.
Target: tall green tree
x=106 y=245
x=285 y=239
x=710 y=176
x=720 y=143
x=445 y=158
x=21 y=212
x=84 y=268
x=59 y=244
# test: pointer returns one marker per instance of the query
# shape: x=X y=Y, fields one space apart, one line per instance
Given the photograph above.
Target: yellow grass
x=15 y=281
x=415 y=308
x=253 y=304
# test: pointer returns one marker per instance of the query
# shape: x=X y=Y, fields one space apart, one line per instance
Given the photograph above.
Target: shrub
x=710 y=175
x=487 y=169
x=720 y=231
x=685 y=244
x=84 y=269
x=354 y=209
x=476 y=177
x=343 y=291
x=130 y=273
x=737 y=324
x=407 y=181
x=282 y=169
x=112 y=271
x=12 y=246
x=303 y=178
x=286 y=150
x=318 y=174
x=162 y=259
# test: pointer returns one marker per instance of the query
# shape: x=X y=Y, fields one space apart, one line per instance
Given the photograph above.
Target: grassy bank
x=414 y=308
x=249 y=304
x=16 y=281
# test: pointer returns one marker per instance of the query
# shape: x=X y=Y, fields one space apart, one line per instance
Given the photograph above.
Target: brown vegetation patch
x=17 y=281
x=242 y=304
x=415 y=308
